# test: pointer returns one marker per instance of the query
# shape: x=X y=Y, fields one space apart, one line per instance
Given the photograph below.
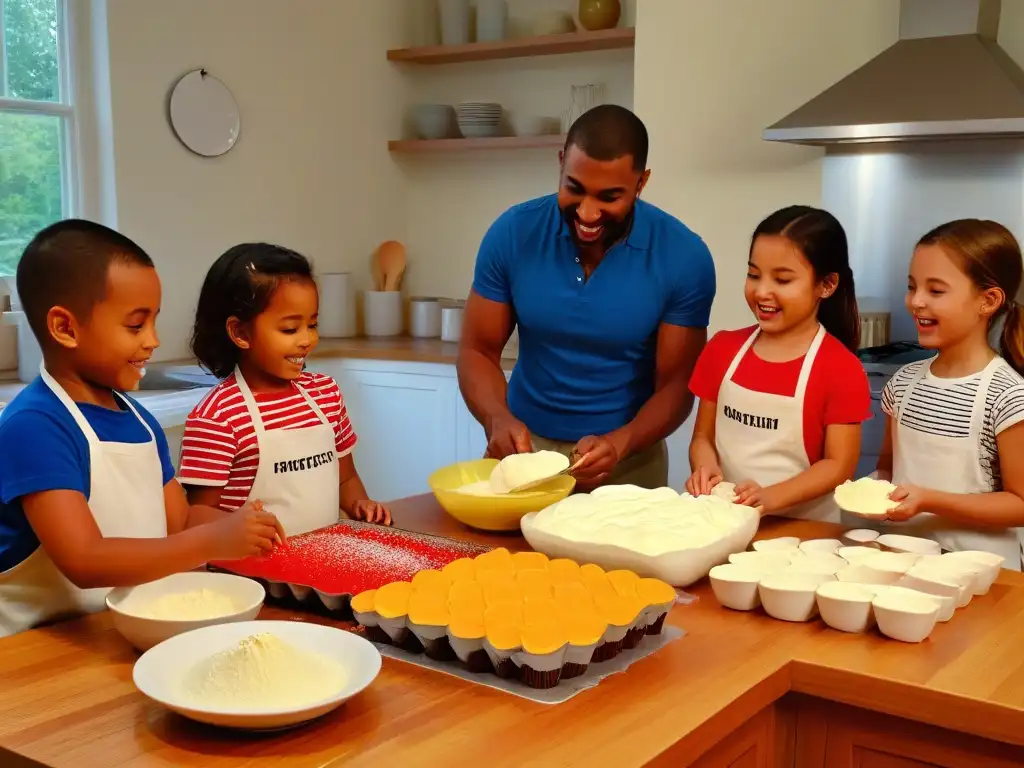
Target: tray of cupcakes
x=519 y=615
x=321 y=570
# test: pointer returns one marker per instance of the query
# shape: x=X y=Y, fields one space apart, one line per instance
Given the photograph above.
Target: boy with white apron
x=760 y=436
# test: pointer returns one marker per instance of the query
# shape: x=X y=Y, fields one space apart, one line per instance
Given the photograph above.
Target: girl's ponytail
x=839 y=313
x=1011 y=342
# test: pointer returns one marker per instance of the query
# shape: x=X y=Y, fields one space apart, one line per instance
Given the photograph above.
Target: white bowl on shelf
x=846 y=606
x=896 y=542
x=786 y=544
x=735 y=586
x=820 y=546
x=127 y=605
x=433 y=121
x=905 y=614
x=991 y=561
x=791 y=596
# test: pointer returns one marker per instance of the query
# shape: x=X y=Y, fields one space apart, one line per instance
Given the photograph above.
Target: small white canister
x=382 y=313
x=451 y=319
x=424 y=317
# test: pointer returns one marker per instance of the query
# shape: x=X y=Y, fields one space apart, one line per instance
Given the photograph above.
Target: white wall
x=311 y=169
x=709 y=77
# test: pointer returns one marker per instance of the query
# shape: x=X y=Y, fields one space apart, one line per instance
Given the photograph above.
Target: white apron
x=297 y=477
x=760 y=436
x=126 y=498
x=951 y=465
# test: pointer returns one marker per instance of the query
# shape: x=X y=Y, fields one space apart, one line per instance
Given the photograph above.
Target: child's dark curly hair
x=239 y=284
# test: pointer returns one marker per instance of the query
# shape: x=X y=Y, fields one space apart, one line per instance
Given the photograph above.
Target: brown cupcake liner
x=538 y=679
x=439 y=649
x=570 y=669
x=606 y=651
x=411 y=643
x=656 y=627
x=506 y=669
x=478 y=662
x=377 y=635
x=633 y=638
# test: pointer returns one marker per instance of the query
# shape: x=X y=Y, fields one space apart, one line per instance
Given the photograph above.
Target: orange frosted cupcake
x=584 y=630
x=466 y=594
x=530 y=561
x=543 y=654
x=639 y=628
x=597 y=582
x=620 y=614
x=540 y=611
x=391 y=602
x=502 y=636
x=462 y=569
x=658 y=596
x=494 y=560
x=366 y=615
x=623 y=582
x=501 y=589
x=534 y=584
x=466 y=634
x=431 y=582
x=428 y=621
x=563 y=571
x=572 y=597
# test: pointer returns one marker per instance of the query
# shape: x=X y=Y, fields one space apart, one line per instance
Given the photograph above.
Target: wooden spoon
x=377 y=269
x=391 y=255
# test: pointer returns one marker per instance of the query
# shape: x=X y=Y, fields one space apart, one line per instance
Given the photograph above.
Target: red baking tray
x=347 y=558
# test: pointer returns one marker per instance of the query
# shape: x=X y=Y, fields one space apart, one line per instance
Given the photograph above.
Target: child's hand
x=750 y=494
x=703 y=480
x=371 y=512
x=912 y=502
x=246 y=532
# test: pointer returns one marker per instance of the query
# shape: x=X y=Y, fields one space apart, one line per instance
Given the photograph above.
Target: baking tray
x=320 y=571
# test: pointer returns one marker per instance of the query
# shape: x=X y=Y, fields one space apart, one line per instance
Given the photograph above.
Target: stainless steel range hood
x=946 y=78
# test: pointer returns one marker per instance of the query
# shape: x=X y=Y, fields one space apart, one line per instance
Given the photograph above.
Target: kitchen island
x=739 y=689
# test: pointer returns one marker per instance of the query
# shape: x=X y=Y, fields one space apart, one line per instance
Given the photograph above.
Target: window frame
x=64 y=108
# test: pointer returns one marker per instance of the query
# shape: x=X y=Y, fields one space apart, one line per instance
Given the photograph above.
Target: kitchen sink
x=176 y=377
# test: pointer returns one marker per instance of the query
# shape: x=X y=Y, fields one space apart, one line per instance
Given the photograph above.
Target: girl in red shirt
x=270 y=431
x=782 y=402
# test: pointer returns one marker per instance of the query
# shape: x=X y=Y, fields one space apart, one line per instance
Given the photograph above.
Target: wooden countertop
x=67 y=698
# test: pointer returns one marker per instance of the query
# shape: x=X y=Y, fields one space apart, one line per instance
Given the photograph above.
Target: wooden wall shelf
x=421 y=146
x=546 y=45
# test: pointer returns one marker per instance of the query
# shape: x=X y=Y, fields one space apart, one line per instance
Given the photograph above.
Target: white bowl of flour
x=150 y=613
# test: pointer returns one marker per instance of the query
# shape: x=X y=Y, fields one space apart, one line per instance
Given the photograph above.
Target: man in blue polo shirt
x=611 y=296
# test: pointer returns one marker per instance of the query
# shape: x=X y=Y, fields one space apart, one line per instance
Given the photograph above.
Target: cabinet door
x=405 y=423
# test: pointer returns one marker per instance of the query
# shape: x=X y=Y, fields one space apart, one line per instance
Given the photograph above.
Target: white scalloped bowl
x=680 y=568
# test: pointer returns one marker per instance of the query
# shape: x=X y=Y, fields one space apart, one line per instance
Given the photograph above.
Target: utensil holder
x=382 y=313
x=424 y=318
x=454 y=21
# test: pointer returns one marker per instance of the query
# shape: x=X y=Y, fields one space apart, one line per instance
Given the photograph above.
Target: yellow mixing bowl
x=491 y=513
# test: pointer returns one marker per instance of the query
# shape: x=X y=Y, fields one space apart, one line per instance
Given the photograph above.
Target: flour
x=649 y=522
x=195 y=605
x=263 y=672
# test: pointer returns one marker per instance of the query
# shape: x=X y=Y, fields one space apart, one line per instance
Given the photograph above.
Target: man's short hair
x=608 y=132
x=66 y=265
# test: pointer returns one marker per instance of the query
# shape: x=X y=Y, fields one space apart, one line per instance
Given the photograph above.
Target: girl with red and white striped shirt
x=269 y=431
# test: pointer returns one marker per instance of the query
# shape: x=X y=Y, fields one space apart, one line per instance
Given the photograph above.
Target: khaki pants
x=647 y=469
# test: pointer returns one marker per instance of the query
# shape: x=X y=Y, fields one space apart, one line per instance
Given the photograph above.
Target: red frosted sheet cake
x=350 y=557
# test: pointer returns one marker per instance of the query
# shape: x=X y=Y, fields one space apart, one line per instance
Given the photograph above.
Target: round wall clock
x=204 y=114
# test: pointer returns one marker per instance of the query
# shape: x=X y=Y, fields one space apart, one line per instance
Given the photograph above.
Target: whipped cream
x=649 y=522
x=867 y=497
x=522 y=468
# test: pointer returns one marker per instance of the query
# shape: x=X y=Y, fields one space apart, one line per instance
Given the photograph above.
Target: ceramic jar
x=599 y=14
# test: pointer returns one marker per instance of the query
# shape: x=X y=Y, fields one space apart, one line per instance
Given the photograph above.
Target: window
x=36 y=123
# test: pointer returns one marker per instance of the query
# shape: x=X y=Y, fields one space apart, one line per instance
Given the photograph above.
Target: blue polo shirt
x=43 y=449
x=586 y=348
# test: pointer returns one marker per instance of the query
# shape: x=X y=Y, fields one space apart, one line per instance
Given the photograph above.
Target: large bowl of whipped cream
x=659 y=533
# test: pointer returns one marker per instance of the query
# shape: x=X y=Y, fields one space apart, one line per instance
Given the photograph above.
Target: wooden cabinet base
x=804 y=732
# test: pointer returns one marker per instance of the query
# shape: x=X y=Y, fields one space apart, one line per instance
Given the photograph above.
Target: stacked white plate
x=479 y=119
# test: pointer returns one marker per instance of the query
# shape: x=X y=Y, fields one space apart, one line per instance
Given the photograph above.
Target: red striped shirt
x=219 y=445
